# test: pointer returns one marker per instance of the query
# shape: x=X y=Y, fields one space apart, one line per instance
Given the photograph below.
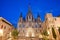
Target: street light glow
x=30 y=32
x=1 y=32
x=40 y=36
x=33 y=35
x=48 y=32
x=27 y=35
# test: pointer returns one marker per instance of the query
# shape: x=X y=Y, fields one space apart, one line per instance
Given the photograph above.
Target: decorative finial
x=29 y=8
x=38 y=15
x=21 y=14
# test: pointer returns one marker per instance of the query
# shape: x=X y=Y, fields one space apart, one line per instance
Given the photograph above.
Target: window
x=29 y=17
x=59 y=30
x=22 y=25
x=55 y=19
x=1 y=26
x=36 y=25
x=53 y=33
x=23 y=31
x=19 y=25
x=5 y=27
x=39 y=25
x=46 y=18
x=9 y=28
x=36 y=30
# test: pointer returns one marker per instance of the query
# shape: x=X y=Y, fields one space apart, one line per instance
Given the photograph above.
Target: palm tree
x=14 y=34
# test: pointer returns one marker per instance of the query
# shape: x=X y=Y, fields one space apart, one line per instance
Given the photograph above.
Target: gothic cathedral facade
x=29 y=27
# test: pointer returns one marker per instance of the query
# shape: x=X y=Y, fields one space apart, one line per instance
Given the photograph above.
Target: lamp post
x=1 y=34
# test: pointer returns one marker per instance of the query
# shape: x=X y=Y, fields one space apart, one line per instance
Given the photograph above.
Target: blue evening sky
x=10 y=9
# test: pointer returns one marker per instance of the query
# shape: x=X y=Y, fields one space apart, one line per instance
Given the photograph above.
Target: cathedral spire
x=29 y=9
x=29 y=14
x=21 y=14
x=38 y=17
x=21 y=18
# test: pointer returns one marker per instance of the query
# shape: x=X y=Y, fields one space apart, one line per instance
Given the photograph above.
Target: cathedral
x=29 y=27
x=32 y=29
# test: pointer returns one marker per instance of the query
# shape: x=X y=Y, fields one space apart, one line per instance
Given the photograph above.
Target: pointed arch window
x=5 y=27
x=1 y=26
x=36 y=25
x=22 y=25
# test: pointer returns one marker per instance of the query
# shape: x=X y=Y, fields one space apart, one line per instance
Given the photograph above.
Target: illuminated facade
x=52 y=22
x=29 y=27
x=5 y=29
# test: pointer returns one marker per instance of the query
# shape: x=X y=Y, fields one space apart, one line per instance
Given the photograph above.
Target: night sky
x=11 y=9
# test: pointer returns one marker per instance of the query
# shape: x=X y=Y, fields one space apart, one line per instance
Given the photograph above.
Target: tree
x=45 y=32
x=14 y=33
x=45 y=38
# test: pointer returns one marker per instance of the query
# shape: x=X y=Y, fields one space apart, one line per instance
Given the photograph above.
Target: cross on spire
x=21 y=14
x=29 y=9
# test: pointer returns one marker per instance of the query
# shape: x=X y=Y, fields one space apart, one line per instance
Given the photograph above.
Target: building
x=52 y=22
x=5 y=29
x=29 y=27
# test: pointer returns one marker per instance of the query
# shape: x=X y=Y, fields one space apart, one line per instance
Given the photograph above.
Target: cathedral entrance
x=30 y=38
x=30 y=32
x=30 y=35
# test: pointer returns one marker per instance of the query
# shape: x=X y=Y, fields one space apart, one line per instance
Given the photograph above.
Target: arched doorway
x=30 y=32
